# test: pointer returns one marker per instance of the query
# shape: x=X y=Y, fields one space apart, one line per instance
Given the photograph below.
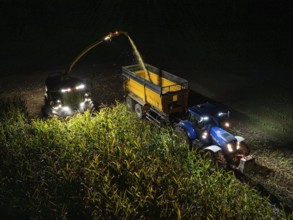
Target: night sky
x=243 y=29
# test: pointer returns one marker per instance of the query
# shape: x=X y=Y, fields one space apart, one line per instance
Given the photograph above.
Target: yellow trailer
x=153 y=92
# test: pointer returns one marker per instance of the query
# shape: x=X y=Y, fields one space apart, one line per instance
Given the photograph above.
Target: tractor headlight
x=65 y=109
x=56 y=109
x=204 y=135
x=229 y=146
x=238 y=145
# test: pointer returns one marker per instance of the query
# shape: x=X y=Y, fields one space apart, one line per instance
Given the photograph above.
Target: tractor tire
x=218 y=160
x=181 y=136
x=138 y=110
x=244 y=149
x=130 y=103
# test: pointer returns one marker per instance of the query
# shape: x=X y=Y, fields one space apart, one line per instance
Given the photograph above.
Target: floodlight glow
x=107 y=38
x=227 y=124
x=81 y=86
x=65 y=90
x=66 y=109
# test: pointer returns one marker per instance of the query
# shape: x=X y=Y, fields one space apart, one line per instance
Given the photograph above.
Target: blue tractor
x=203 y=128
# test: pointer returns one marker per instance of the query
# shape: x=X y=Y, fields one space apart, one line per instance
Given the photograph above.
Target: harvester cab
x=65 y=96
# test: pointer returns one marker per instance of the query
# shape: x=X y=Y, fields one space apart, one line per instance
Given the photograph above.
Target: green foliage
x=10 y=107
x=112 y=165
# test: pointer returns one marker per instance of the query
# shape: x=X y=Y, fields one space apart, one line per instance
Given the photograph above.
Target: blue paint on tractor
x=189 y=129
x=221 y=137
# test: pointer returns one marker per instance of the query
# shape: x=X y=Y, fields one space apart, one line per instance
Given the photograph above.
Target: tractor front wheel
x=244 y=149
x=218 y=160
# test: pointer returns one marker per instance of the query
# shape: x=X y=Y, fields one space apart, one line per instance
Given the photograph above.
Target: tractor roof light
x=220 y=114
x=206 y=118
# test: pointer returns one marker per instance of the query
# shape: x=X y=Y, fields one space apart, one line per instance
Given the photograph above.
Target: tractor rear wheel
x=181 y=136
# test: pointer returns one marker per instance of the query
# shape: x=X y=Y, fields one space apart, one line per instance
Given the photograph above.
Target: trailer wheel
x=129 y=103
x=138 y=110
x=182 y=136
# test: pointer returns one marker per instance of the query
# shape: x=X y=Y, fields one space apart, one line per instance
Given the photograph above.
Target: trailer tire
x=138 y=110
x=130 y=103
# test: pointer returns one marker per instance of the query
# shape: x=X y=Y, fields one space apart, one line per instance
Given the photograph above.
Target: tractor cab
x=208 y=114
x=205 y=116
x=65 y=96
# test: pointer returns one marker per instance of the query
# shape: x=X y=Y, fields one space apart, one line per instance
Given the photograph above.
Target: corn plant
x=110 y=165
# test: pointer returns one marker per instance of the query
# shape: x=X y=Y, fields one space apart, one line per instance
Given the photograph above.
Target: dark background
x=238 y=53
x=218 y=34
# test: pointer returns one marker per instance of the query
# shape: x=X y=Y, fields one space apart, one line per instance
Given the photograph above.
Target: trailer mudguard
x=213 y=148
x=188 y=128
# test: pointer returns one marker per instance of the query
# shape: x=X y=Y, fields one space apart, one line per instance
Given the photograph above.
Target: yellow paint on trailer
x=166 y=96
x=146 y=94
x=159 y=81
